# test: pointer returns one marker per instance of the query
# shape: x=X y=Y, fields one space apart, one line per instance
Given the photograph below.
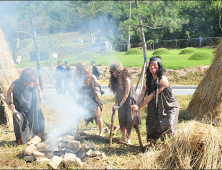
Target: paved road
x=49 y=90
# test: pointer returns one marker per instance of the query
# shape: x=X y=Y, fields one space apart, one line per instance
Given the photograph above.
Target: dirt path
x=135 y=72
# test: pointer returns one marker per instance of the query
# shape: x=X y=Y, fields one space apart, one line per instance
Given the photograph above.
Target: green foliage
x=108 y=52
x=200 y=56
x=134 y=51
x=86 y=55
x=161 y=51
x=188 y=50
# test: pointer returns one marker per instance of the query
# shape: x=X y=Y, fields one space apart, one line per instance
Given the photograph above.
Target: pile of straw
x=206 y=101
x=196 y=146
x=8 y=74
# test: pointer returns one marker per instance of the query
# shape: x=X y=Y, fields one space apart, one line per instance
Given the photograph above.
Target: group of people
x=162 y=105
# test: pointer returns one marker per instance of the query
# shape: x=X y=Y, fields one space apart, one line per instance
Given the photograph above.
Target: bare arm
x=163 y=84
x=126 y=94
x=9 y=91
x=39 y=92
x=8 y=97
x=143 y=93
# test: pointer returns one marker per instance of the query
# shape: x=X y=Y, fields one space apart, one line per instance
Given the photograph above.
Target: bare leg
x=100 y=125
x=99 y=121
x=123 y=131
x=129 y=136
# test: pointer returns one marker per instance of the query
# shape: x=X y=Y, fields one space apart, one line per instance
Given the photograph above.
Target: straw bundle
x=196 y=146
x=8 y=74
x=206 y=100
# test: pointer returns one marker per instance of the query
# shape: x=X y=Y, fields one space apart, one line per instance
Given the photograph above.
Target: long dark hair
x=149 y=77
x=28 y=75
x=120 y=81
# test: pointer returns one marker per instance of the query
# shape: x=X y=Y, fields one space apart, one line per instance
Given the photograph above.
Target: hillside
x=64 y=44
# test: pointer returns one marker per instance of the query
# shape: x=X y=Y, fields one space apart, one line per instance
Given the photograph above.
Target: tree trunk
x=37 y=55
x=142 y=32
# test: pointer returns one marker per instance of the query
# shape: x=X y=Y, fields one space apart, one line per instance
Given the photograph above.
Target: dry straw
x=8 y=74
x=196 y=146
x=206 y=102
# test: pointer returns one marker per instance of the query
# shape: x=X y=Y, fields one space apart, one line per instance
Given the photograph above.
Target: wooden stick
x=108 y=124
x=88 y=136
x=114 y=132
x=111 y=128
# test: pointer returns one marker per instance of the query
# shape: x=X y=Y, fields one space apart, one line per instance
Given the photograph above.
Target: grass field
x=173 y=61
x=118 y=156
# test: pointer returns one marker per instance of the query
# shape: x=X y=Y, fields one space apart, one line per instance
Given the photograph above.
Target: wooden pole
x=143 y=41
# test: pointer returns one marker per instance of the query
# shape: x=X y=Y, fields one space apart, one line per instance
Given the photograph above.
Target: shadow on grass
x=8 y=143
x=115 y=149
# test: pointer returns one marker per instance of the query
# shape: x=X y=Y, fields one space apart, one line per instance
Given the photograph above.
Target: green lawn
x=173 y=61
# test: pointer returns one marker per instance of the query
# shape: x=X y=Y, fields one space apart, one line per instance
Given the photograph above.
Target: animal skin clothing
x=88 y=98
x=163 y=118
x=26 y=103
x=125 y=112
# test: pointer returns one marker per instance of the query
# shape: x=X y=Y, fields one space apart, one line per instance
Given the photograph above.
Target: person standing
x=59 y=76
x=68 y=78
x=85 y=87
x=126 y=96
x=163 y=107
x=26 y=91
x=95 y=70
x=200 y=41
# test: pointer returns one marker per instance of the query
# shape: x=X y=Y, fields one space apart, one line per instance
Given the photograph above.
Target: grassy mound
x=86 y=55
x=200 y=56
x=108 y=52
x=188 y=50
x=161 y=51
x=134 y=51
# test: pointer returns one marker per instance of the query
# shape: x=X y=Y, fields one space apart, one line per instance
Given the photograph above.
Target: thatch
x=8 y=73
x=196 y=146
x=206 y=101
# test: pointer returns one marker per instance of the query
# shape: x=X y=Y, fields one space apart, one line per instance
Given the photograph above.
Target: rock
x=62 y=144
x=29 y=150
x=96 y=153
x=103 y=155
x=88 y=145
x=34 y=141
x=74 y=145
x=89 y=153
x=81 y=155
x=43 y=160
x=29 y=158
x=55 y=162
x=67 y=138
x=41 y=146
x=71 y=159
x=38 y=154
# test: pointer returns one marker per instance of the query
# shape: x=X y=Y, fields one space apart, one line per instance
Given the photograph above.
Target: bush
x=134 y=51
x=200 y=56
x=108 y=52
x=188 y=50
x=161 y=51
x=86 y=55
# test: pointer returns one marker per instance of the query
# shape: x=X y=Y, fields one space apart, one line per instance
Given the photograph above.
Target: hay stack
x=206 y=101
x=8 y=74
x=196 y=146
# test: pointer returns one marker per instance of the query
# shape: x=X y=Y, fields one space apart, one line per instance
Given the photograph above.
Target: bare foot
x=129 y=141
x=122 y=140
x=100 y=134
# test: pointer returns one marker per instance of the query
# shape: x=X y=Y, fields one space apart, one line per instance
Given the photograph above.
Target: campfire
x=66 y=151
